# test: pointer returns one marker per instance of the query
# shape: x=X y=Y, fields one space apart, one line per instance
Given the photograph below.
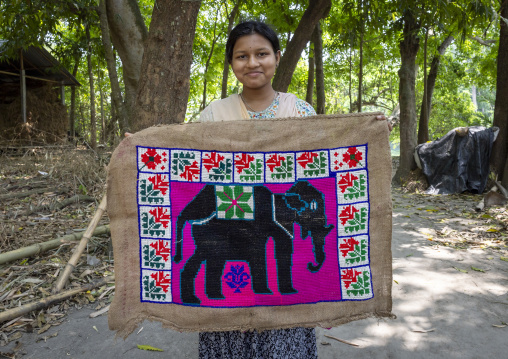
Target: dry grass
x=60 y=173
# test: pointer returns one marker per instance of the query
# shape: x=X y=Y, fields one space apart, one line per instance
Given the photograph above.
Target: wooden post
x=62 y=93
x=23 y=87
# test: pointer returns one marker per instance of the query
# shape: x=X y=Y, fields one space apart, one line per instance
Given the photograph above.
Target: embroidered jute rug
x=252 y=224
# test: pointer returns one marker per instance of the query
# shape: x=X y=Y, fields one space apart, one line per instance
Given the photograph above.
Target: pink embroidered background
x=323 y=285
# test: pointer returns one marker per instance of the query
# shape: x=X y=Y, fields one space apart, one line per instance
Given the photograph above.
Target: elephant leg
x=187 y=280
x=259 y=274
x=284 y=256
x=213 y=281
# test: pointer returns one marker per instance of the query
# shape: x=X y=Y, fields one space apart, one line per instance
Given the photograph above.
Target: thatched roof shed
x=32 y=96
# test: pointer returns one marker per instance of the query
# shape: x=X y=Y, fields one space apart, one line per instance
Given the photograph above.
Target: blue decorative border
x=332 y=173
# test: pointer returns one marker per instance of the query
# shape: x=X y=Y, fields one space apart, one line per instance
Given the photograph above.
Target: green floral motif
x=234 y=202
x=362 y=285
x=180 y=160
x=285 y=170
x=151 y=290
x=359 y=254
x=148 y=194
x=149 y=227
x=358 y=222
x=151 y=259
x=254 y=172
x=318 y=166
x=358 y=189
x=223 y=172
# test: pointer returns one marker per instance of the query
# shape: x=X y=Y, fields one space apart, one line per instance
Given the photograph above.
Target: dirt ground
x=450 y=271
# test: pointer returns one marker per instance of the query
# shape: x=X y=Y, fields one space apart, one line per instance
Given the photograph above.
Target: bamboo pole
x=46 y=246
x=46 y=302
x=62 y=280
x=29 y=193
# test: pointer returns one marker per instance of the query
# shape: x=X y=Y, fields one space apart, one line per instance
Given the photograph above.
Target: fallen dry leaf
x=44 y=328
x=423 y=330
x=149 y=347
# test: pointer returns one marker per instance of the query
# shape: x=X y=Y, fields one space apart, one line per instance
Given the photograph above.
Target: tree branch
x=487 y=42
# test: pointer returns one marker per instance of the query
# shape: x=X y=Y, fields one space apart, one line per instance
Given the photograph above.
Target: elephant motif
x=219 y=240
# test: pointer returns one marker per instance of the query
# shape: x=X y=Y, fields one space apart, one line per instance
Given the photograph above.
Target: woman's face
x=254 y=61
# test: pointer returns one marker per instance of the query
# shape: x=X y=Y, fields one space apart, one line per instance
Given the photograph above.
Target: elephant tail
x=180 y=223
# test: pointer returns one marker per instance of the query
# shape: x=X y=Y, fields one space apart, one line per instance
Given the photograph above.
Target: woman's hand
x=379 y=118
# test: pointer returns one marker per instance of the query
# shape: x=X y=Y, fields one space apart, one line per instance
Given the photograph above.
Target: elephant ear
x=294 y=202
x=299 y=187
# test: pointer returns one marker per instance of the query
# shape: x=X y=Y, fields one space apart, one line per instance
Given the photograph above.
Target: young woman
x=253 y=52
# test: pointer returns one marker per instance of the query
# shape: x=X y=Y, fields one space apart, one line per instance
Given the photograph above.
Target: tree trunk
x=423 y=125
x=207 y=64
x=499 y=157
x=320 y=76
x=103 y=119
x=350 y=79
x=116 y=93
x=430 y=84
x=93 y=125
x=473 y=97
x=316 y=10
x=225 y=71
x=72 y=115
x=407 y=74
x=128 y=34
x=431 y=78
x=164 y=86
x=360 y=75
x=310 y=74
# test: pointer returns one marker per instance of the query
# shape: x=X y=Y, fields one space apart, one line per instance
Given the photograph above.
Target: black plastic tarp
x=456 y=162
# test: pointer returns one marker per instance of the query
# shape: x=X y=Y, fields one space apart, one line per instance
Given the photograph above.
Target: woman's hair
x=249 y=28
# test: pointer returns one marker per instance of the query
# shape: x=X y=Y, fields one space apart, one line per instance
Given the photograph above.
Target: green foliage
x=59 y=26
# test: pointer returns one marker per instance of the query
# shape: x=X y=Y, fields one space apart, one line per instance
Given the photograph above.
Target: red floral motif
x=348 y=213
x=151 y=158
x=191 y=172
x=346 y=181
x=306 y=158
x=243 y=161
x=352 y=157
x=212 y=161
x=350 y=276
x=161 y=215
x=274 y=161
x=162 y=280
x=161 y=249
x=160 y=183
x=348 y=246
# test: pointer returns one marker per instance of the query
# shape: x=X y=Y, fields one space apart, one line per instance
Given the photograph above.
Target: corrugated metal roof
x=38 y=64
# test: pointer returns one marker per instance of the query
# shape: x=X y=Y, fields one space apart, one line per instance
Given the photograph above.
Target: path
x=431 y=290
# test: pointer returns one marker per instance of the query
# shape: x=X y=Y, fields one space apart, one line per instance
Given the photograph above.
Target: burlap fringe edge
x=132 y=324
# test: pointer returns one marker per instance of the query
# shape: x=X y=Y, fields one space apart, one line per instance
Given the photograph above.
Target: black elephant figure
x=220 y=240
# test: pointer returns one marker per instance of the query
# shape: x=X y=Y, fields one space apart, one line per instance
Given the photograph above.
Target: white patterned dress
x=294 y=343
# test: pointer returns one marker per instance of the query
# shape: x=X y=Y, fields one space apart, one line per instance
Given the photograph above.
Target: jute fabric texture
x=252 y=224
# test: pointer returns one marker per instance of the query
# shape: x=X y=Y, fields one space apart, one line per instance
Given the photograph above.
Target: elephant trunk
x=318 y=241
